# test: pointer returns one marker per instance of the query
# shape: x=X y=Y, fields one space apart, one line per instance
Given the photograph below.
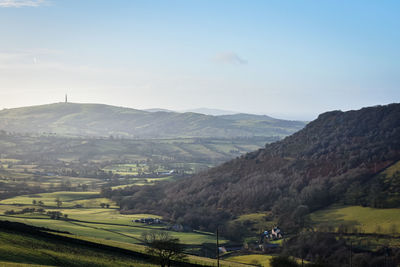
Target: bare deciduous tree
x=164 y=246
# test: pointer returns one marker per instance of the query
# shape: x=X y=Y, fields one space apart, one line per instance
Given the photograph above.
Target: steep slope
x=322 y=164
x=24 y=245
x=103 y=120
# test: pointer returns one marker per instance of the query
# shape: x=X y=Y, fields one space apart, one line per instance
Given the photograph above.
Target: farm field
x=259 y=221
x=31 y=164
x=69 y=199
x=108 y=231
x=90 y=220
x=19 y=151
x=364 y=219
x=140 y=248
x=257 y=259
x=142 y=181
x=254 y=259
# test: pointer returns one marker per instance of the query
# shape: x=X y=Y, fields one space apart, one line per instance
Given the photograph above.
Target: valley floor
x=90 y=223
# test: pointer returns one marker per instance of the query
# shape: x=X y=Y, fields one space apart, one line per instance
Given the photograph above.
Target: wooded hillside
x=336 y=158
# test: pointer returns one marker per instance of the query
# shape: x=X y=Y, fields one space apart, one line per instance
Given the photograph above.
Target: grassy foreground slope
x=23 y=245
x=31 y=248
x=254 y=259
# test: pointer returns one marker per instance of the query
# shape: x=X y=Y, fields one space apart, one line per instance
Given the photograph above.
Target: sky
x=289 y=59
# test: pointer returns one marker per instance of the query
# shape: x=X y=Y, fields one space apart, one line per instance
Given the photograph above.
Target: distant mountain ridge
x=339 y=157
x=211 y=111
x=74 y=119
x=158 y=110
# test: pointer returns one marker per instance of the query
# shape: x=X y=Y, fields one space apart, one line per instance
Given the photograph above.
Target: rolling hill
x=211 y=111
x=340 y=157
x=73 y=119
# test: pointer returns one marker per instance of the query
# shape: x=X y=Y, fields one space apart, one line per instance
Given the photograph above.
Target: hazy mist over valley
x=200 y=133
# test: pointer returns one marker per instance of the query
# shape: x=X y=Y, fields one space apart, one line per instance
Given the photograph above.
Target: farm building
x=148 y=221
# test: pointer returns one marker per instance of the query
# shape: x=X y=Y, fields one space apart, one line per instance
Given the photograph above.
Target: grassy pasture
x=9 y=160
x=392 y=169
x=134 y=169
x=141 y=248
x=15 y=175
x=143 y=181
x=91 y=220
x=255 y=259
x=127 y=185
x=81 y=229
x=100 y=215
x=108 y=231
x=18 y=250
x=254 y=223
x=68 y=198
x=253 y=217
x=127 y=169
x=13 y=264
x=367 y=220
x=93 y=203
x=222 y=148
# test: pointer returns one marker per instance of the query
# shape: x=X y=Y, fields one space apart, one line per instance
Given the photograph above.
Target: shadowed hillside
x=103 y=120
x=335 y=158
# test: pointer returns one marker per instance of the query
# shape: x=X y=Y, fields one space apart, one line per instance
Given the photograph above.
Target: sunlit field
x=360 y=219
x=91 y=220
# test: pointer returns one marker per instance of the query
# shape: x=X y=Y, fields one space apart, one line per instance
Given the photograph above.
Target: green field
x=140 y=248
x=91 y=220
x=30 y=250
x=127 y=169
x=12 y=264
x=259 y=221
x=252 y=224
x=18 y=250
x=361 y=219
x=109 y=231
x=254 y=259
x=69 y=199
x=142 y=181
x=392 y=169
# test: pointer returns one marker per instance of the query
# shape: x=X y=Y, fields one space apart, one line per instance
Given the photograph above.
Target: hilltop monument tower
x=66 y=99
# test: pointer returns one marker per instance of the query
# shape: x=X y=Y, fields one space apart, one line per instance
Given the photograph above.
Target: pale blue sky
x=291 y=59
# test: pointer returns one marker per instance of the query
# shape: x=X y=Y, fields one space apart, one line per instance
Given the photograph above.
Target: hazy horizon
x=285 y=59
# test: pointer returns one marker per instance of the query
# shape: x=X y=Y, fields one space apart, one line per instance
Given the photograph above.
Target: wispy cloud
x=230 y=58
x=21 y=3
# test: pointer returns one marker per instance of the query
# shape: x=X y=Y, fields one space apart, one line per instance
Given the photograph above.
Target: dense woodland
x=336 y=158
